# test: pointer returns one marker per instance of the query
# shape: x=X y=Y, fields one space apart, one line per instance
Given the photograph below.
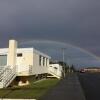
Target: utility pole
x=63 y=55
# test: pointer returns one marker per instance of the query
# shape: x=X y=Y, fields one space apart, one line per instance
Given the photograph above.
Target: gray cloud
x=71 y=21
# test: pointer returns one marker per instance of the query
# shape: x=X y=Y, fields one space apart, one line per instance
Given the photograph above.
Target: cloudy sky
x=53 y=24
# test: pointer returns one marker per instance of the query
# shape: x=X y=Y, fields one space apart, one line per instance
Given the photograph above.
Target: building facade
x=22 y=62
x=56 y=69
x=17 y=65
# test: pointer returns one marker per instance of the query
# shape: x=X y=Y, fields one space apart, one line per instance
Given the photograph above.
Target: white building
x=18 y=64
x=29 y=61
x=55 y=70
x=21 y=63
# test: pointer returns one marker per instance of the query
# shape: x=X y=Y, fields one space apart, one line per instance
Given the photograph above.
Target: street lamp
x=63 y=55
x=68 y=65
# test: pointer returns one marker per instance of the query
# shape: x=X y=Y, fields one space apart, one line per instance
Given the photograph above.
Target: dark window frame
x=19 y=54
x=40 y=58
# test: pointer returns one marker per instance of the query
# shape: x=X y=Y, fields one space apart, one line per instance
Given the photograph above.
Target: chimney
x=12 y=50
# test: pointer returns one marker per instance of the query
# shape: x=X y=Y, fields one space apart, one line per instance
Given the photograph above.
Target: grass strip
x=32 y=91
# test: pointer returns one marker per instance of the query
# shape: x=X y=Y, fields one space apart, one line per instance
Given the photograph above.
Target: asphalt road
x=91 y=85
x=68 y=89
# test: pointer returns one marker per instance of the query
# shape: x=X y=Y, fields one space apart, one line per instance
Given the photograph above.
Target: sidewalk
x=68 y=89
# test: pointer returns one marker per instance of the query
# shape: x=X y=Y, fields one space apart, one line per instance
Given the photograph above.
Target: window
x=46 y=61
x=3 y=60
x=43 y=61
x=55 y=68
x=19 y=55
x=40 y=58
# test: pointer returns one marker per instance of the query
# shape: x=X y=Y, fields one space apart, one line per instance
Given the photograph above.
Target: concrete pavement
x=68 y=89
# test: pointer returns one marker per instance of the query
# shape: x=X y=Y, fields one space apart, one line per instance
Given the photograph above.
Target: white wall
x=56 y=69
x=11 y=58
x=40 y=68
x=24 y=61
x=28 y=64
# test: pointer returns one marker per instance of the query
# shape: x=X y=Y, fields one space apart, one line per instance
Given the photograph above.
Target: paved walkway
x=68 y=89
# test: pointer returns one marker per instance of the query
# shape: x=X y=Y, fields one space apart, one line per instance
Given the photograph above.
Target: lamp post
x=68 y=66
x=63 y=55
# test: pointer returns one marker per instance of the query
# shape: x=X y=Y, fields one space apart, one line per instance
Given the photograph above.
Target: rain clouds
x=70 y=21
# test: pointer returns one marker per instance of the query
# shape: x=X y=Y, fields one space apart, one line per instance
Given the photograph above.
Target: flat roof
x=5 y=51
